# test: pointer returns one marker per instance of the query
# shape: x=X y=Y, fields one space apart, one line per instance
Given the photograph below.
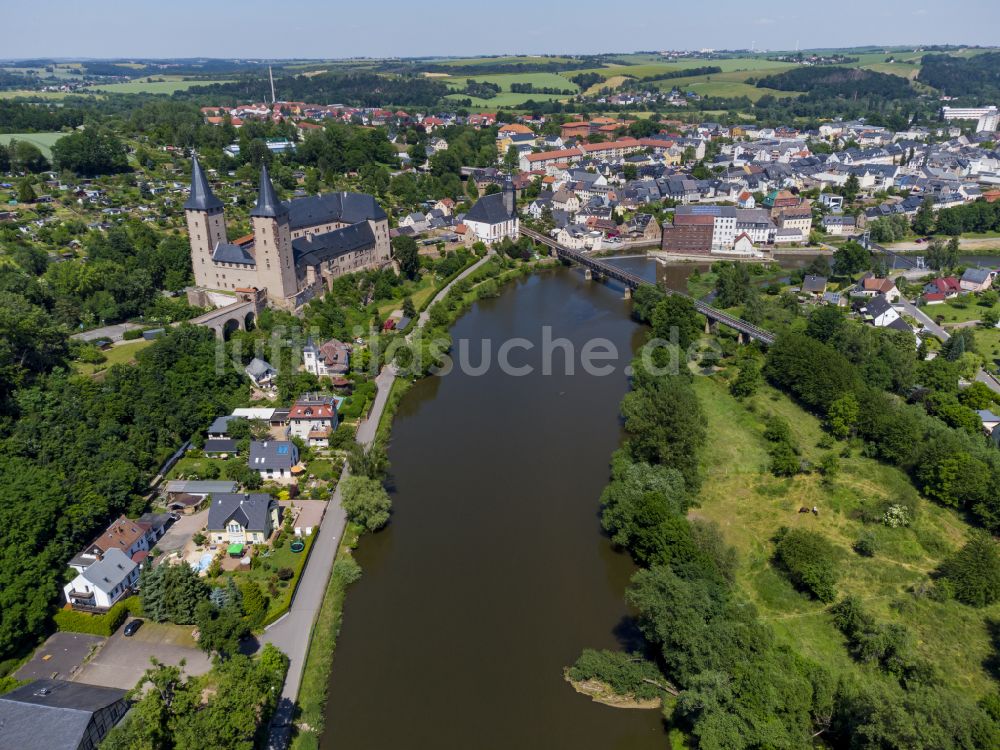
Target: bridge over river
x=746 y=330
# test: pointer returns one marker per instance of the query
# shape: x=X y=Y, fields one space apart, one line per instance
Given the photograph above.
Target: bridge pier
x=741 y=338
x=588 y=275
x=628 y=292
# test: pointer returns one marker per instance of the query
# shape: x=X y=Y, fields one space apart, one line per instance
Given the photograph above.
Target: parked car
x=132 y=628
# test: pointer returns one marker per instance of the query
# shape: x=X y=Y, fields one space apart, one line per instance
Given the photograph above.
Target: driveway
x=122 y=661
x=181 y=531
x=60 y=656
x=115 y=332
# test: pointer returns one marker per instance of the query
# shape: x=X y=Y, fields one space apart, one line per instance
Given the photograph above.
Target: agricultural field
x=750 y=505
x=40 y=95
x=44 y=141
x=508 y=60
x=143 y=86
x=504 y=80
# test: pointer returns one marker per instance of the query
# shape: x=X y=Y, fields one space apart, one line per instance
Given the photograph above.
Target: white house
x=313 y=418
x=273 y=459
x=331 y=359
x=104 y=582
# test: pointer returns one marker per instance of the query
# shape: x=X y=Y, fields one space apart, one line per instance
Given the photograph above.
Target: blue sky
x=379 y=28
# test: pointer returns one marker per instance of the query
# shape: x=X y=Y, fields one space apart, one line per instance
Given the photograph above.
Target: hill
x=977 y=76
x=849 y=83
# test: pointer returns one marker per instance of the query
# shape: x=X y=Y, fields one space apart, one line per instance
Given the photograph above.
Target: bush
x=625 y=674
x=132 y=334
x=74 y=621
x=866 y=545
x=973 y=573
x=810 y=562
x=347 y=571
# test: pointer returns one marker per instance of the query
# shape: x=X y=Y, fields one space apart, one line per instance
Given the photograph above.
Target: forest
x=831 y=82
x=977 y=77
x=356 y=89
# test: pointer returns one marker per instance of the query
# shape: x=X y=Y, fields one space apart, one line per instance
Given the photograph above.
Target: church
x=297 y=247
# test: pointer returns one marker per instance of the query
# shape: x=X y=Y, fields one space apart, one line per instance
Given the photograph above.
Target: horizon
x=110 y=29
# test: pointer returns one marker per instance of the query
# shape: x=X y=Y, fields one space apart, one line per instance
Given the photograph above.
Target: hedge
x=285 y=598
x=74 y=621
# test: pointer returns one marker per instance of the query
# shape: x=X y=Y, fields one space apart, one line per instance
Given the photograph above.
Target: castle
x=296 y=248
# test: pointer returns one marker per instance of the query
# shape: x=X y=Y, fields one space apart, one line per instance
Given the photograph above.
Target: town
x=226 y=290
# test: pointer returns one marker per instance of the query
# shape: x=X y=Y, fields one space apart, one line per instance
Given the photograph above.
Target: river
x=494 y=573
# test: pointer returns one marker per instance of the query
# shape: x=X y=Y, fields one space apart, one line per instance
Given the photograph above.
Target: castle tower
x=509 y=202
x=206 y=226
x=272 y=241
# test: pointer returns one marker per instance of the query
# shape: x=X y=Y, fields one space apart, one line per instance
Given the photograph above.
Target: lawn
x=194 y=463
x=144 y=86
x=988 y=343
x=965 y=310
x=504 y=80
x=44 y=141
x=122 y=354
x=750 y=505
x=506 y=99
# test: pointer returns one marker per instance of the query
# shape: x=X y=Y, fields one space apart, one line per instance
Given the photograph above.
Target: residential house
x=416 y=221
x=566 y=200
x=103 y=582
x=313 y=418
x=977 y=279
x=743 y=244
x=645 y=228
x=261 y=373
x=60 y=715
x=989 y=420
x=880 y=313
x=273 y=459
x=328 y=360
x=938 y=290
x=838 y=226
x=129 y=537
x=871 y=285
x=814 y=285
x=242 y=518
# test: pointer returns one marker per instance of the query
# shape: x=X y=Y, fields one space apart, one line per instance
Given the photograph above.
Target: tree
x=254 y=604
x=91 y=151
x=941 y=255
x=172 y=592
x=676 y=320
x=372 y=463
x=810 y=562
x=748 y=380
x=825 y=323
x=973 y=573
x=850 y=259
x=220 y=629
x=851 y=188
x=406 y=253
x=732 y=285
x=409 y=309
x=511 y=159
x=366 y=502
x=923 y=220
x=26 y=192
x=842 y=416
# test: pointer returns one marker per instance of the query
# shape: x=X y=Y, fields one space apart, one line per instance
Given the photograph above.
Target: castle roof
x=318 y=248
x=201 y=198
x=340 y=208
x=226 y=252
x=268 y=206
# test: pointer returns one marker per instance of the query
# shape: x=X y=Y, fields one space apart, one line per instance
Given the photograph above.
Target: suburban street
x=912 y=310
x=292 y=632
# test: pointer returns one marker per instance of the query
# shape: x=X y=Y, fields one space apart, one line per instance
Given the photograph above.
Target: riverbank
x=601 y=692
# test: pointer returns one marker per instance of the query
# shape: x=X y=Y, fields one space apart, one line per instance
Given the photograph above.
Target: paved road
x=291 y=633
x=912 y=310
x=988 y=380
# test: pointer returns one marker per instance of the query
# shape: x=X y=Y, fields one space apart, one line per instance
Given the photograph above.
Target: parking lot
x=180 y=532
x=122 y=661
x=60 y=656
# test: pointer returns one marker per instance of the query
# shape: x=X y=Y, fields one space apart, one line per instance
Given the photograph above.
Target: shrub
x=625 y=674
x=973 y=572
x=73 y=621
x=810 y=562
x=866 y=545
x=285 y=574
x=896 y=516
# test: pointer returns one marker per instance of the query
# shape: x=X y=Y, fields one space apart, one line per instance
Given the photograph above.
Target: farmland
x=159 y=85
x=44 y=141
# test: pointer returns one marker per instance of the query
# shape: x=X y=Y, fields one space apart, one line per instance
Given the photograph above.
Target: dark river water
x=494 y=573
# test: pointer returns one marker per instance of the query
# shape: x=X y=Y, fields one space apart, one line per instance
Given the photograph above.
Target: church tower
x=206 y=226
x=272 y=242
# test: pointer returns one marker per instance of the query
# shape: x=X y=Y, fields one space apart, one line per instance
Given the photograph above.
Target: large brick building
x=297 y=247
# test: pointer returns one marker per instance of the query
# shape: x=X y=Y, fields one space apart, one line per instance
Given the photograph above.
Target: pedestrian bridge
x=239 y=316
x=745 y=329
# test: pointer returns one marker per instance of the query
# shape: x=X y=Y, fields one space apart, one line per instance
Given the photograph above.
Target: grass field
x=144 y=86
x=952 y=313
x=504 y=80
x=122 y=354
x=505 y=100
x=46 y=95
x=44 y=141
x=750 y=505
x=505 y=60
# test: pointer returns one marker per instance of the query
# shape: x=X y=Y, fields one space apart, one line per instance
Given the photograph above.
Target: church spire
x=268 y=206
x=201 y=198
